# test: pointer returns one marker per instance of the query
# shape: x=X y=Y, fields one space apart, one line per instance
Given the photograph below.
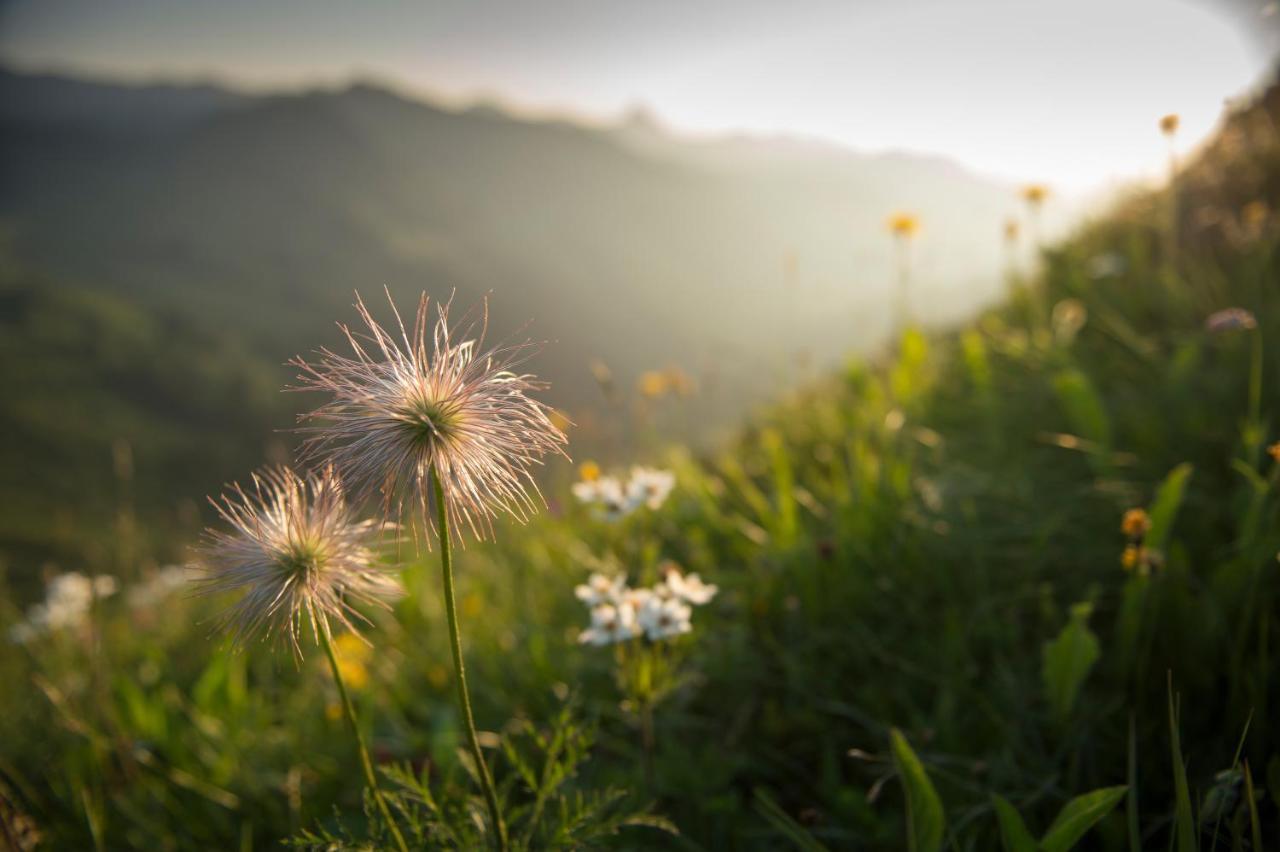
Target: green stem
x=1255 y=388
x=647 y=740
x=455 y=645
x=365 y=763
x=903 y=308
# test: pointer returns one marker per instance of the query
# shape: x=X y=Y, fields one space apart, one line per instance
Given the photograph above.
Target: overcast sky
x=1066 y=92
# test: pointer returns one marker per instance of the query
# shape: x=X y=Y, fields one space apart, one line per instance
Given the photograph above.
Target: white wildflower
x=67 y=601
x=664 y=618
x=608 y=495
x=600 y=589
x=609 y=624
x=161 y=585
x=689 y=588
x=650 y=486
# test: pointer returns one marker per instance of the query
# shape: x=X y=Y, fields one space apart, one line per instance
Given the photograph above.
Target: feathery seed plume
x=296 y=550
x=429 y=398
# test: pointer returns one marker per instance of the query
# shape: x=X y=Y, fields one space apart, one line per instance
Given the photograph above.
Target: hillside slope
x=930 y=541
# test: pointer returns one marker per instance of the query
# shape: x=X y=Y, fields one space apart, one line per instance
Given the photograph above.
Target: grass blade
x=1164 y=508
x=1255 y=825
x=925 y=820
x=1184 y=820
x=1131 y=806
x=785 y=824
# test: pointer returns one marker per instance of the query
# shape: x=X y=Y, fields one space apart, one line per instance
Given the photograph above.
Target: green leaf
x=1083 y=406
x=925 y=820
x=1068 y=659
x=1164 y=509
x=1184 y=820
x=1078 y=816
x=1013 y=831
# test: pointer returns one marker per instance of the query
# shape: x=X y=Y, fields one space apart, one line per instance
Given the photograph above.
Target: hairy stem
x=365 y=763
x=455 y=645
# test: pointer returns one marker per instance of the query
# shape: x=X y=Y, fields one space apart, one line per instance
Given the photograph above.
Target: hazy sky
x=1066 y=91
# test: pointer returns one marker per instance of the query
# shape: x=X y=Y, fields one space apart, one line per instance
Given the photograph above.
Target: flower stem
x=647 y=741
x=455 y=645
x=1255 y=398
x=365 y=763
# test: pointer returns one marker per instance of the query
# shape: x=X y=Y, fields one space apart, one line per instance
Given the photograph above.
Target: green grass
x=920 y=549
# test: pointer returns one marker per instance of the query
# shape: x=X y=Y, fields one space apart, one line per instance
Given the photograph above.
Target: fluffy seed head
x=296 y=551
x=404 y=404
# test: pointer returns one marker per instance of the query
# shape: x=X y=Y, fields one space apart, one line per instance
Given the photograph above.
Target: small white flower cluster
x=619 y=613
x=67 y=601
x=616 y=499
x=157 y=588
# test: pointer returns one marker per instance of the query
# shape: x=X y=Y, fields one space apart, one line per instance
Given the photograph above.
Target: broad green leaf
x=1078 y=816
x=1068 y=659
x=1013 y=831
x=1164 y=509
x=925 y=820
x=1083 y=406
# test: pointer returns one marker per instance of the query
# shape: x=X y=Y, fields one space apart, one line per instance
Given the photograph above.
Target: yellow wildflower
x=653 y=383
x=559 y=419
x=589 y=471
x=1136 y=523
x=1169 y=124
x=352 y=653
x=1035 y=194
x=904 y=225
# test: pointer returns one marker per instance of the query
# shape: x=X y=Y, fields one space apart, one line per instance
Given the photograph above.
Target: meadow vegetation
x=939 y=622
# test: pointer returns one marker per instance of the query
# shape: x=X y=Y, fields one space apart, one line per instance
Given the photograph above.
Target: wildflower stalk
x=903 y=307
x=647 y=740
x=365 y=763
x=1255 y=431
x=455 y=645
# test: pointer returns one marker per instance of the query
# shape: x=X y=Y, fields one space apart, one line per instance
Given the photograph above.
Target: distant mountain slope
x=250 y=220
x=202 y=199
